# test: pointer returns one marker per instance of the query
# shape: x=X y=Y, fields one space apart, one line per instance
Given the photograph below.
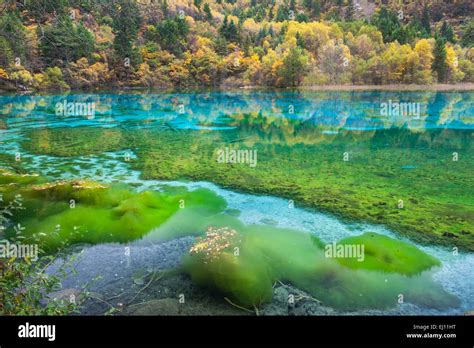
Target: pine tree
x=164 y=8
x=439 y=63
x=207 y=11
x=293 y=68
x=198 y=3
x=468 y=34
x=350 y=11
x=229 y=30
x=425 y=20
x=223 y=28
x=232 y=32
x=126 y=23
x=447 y=32
x=64 y=42
x=292 y=5
x=300 y=40
x=317 y=8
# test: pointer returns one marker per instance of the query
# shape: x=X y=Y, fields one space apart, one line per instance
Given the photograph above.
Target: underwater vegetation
x=238 y=261
x=405 y=179
x=244 y=262
x=83 y=211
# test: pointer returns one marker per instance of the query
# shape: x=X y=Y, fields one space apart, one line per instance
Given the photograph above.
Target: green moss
x=243 y=264
x=382 y=253
x=240 y=262
x=302 y=163
x=82 y=211
x=74 y=141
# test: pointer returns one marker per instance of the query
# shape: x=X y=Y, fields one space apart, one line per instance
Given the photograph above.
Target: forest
x=85 y=44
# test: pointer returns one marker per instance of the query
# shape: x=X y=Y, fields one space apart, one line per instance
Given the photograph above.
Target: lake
x=200 y=196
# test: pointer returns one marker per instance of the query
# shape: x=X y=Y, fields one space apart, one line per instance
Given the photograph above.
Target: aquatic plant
x=403 y=179
x=382 y=253
x=83 y=211
x=243 y=263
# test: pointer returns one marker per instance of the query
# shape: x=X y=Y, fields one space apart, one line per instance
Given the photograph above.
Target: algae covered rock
x=382 y=253
x=244 y=263
x=214 y=261
x=56 y=214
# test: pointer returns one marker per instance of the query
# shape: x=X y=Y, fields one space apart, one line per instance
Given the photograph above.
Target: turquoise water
x=364 y=120
x=334 y=110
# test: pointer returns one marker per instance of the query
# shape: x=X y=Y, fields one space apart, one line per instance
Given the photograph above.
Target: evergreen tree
x=42 y=9
x=317 y=8
x=13 y=37
x=389 y=25
x=126 y=23
x=6 y=53
x=300 y=40
x=164 y=8
x=198 y=3
x=282 y=14
x=207 y=11
x=350 y=11
x=293 y=68
x=468 y=35
x=63 y=42
x=171 y=34
x=232 y=32
x=229 y=30
x=447 y=32
x=439 y=65
x=292 y=5
x=425 y=20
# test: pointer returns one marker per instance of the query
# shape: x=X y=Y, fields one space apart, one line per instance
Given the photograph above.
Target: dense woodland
x=72 y=44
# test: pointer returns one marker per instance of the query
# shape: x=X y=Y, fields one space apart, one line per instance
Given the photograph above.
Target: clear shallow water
x=333 y=112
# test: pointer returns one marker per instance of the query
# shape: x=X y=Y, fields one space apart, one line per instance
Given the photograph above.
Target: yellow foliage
x=3 y=74
x=424 y=50
x=315 y=34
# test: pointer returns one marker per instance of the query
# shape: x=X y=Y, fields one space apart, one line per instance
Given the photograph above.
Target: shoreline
x=435 y=87
x=343 y=88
